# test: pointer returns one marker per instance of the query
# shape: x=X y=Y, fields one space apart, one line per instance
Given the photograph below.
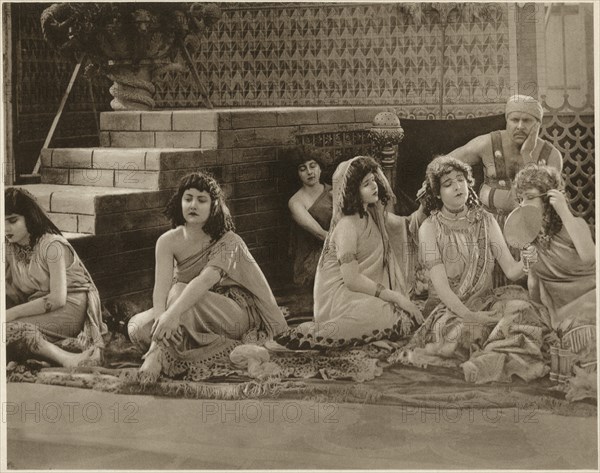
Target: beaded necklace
x=23 y=253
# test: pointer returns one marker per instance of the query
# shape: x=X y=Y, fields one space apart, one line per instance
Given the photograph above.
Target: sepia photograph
x=343 y=235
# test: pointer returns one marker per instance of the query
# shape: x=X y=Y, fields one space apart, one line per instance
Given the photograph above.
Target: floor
x=67 y=428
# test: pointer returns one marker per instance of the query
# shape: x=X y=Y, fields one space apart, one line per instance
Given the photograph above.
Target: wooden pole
x=192 y=66
x=94 y=111
x=61 y=107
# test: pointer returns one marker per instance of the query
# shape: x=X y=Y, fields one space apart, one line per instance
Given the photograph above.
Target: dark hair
x=21 y=202
x=295 y=156
x=440 y=166
x=219 y=221
x=357 y=171
x=542 y=178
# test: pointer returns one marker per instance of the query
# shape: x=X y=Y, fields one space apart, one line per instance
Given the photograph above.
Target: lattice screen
x=574 y=135
x=339 y=145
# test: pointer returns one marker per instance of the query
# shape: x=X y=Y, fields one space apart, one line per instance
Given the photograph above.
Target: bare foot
x=90 y=357
x=444 y=349
x=471 y=372
x=151 y=368
x=433 y=348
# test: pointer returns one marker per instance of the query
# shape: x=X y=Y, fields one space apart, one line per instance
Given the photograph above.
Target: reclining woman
x=311 y=210
x=360 y=291
x=53 y=307
x=493 y=334
x=564 y=277
x=209 y=293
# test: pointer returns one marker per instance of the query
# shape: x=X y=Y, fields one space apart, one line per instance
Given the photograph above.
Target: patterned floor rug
x=434 y=387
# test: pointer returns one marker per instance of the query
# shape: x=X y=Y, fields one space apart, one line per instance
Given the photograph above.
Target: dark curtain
x=426 y=139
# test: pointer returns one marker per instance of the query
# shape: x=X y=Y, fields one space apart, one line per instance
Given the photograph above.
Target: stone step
x=153 y=169
x=159 y=129
x=100 y=210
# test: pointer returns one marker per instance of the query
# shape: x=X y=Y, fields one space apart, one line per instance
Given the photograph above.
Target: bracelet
x=47 y=305
x=379 y=289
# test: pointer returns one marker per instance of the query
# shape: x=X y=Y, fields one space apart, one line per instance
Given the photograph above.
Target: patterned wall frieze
x=348 y=54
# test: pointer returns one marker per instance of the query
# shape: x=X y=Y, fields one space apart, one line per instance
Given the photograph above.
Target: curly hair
x=440 y=166
x=219 y=221
x=21 y=202
x=356 y=173
x=295 y=156
x=543 y=179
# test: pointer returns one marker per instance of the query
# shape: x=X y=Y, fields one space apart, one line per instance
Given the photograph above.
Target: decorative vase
x=133 y=60
x=132 y=86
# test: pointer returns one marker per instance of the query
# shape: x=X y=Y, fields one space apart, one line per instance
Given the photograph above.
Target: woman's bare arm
x=163 y=272
x=58 y=258
x=303 y=218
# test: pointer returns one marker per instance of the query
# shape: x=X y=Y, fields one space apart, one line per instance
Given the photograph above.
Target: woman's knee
x=139 y=328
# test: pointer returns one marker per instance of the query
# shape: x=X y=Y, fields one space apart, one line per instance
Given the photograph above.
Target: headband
x=524 y=104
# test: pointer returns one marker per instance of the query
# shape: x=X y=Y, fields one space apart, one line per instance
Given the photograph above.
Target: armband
x=347 y=258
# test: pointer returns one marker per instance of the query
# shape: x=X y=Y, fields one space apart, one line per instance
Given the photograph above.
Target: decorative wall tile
x=353 y=54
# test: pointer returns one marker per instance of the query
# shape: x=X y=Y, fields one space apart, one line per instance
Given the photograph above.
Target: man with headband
x=504 y=153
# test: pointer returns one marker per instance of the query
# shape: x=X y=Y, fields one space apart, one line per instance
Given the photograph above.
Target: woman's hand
x=406 y=304
x=558 y=202
x=166 y=327
x=529 y=256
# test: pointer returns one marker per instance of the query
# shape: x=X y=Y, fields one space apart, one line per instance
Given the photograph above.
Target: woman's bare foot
x=90 y=357
x=443 y=349
x=151 y=368
x=470 y=371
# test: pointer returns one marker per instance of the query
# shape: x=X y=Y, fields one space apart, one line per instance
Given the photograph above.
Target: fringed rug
x=433 y=388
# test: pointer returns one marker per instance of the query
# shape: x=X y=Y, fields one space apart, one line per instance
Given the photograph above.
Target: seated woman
x=208 y=291
x=564 y=277
x=51 y=299
x=360 y=292
x=311 y=208
x=494 y=334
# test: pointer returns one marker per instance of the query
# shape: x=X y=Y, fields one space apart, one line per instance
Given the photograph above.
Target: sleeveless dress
x=77 y=325
x=513 y=342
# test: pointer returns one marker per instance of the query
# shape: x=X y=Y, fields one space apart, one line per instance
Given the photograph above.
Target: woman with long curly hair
x=564 y=277
x=493 y=334
x=53 y=307
x=361 y=293
x=209 y=293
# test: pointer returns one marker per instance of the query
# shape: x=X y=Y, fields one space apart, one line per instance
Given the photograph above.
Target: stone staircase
x=103 y=190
